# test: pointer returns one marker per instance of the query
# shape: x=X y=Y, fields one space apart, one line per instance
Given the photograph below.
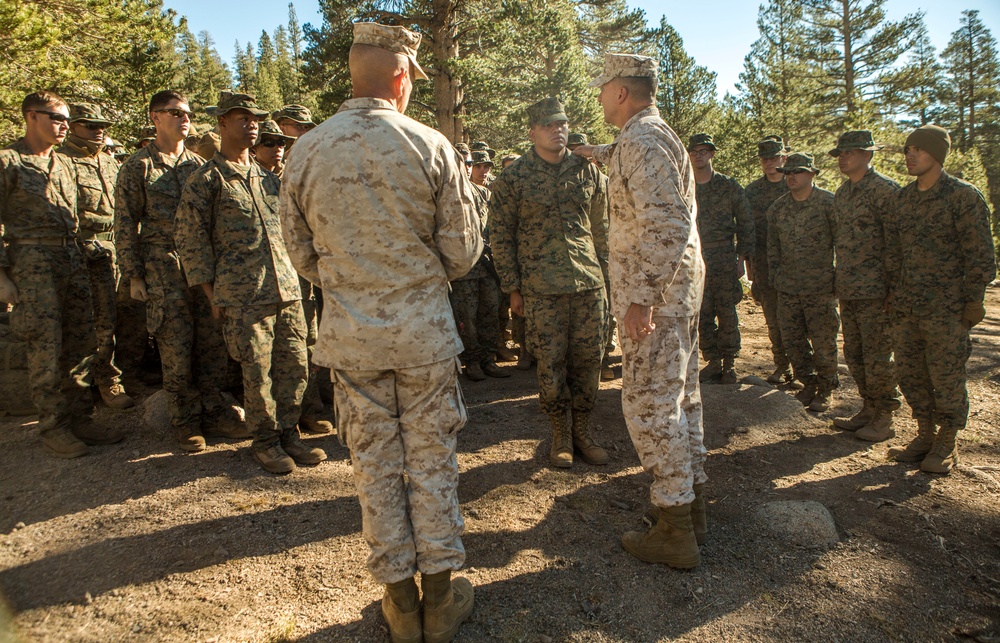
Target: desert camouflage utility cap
x=297 y=113
x=577 y=139
x=480 y=157
x=626 y=66
x=462 y=147
x=771 y=146
x=798 y=161
x=270 y=129
x=395 y=39
x=86 y=112
x=701 y=139
x=546 y=111
x=482 y=146
x=228 y=101
x=860 y=139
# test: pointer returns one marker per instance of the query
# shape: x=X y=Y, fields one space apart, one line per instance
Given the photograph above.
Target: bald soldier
x=378 y=210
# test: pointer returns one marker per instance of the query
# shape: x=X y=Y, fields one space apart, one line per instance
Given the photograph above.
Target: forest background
x=818 y=68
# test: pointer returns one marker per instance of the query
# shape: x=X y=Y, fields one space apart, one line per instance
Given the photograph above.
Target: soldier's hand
x=974 y=313
x=638 y=322
x=517 y=303
x=137 y=288
x=218 y=312
x=8 y=291
x=585 y=151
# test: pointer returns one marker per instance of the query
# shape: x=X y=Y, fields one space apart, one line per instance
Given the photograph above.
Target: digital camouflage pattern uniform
x=192 y=351
x=228 y=234
x=940 y=257
x=38 y=200
x=760 y=195
x=378 y=210
x=800 y=261
x=859 y=210
x=656 y=261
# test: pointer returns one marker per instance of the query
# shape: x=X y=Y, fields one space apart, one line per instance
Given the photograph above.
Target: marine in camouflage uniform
x=228 y=237
x=43 y=273
x=549 y=234
x=800 y=260
x=725 y=226
x=860 y=207
x=96 y=174
x=761 y=193
x=940 y=258
x=294 y=121
x=192 y=351
x=657 y=281
x=383 y=227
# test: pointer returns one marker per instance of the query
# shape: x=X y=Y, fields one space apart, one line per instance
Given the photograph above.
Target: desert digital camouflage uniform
x=192 y=351
x=383 y=227
x=228 y=234
x=38 y=200
x=760 y=195
x=940 y=256
x=726 y=228
x=549 y=237
x=800 y=262
x=96 y=174
x=858 y=214
x=655 y=260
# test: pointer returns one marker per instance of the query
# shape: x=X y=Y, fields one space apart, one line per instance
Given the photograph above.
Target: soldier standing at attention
x=800 y=260
x=860 y=207
x=294 y=120
x=550 y=243
x=192 y=350
x=725 y=226
x=772 y=153
x=378 y=210
x=269 y=148
x=228 y=237
x=939 y=261
x=657 y=277
x=43 y=273
x=96 y=174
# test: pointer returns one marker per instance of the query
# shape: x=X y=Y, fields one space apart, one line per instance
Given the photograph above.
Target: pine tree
x=916 y=89
x=974 y=68
x=686 y=93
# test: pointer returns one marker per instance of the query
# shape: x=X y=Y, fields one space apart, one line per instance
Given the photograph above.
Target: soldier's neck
x=704 y=176
x=36 y=146
x=802 y=194
x=929 y=179
x=168 y=147
x=235 y=153
x=778 y=177
x=857 y=175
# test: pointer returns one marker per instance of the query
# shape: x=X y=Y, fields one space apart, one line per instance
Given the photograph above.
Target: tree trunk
x=848 y=59
x=448 y=88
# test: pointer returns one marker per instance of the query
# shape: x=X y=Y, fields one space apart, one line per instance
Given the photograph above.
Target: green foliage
x=686 y=92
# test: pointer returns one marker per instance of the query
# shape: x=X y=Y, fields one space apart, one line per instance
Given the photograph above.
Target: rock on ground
x=804 y=523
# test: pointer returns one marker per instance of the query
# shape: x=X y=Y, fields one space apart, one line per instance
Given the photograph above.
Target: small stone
x=544 y=639
x=88 y=599
x=620 y=504
x=221 y=552
x=19 y=525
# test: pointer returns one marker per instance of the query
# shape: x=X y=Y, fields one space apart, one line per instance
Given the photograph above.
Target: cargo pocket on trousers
x=463 y=414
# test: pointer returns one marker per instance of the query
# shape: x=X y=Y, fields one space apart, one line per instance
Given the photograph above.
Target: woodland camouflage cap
x=482 y=146
x=855 y=140
x=701 y=139
x=271 y=129
x=86 y=112
x=228 y=101
x=297 y=113
x=480 y=157
x=546 y=111
x=771 y=146
x=395 y=39
x=798 y=161
x=462 y=147
x=626 y=66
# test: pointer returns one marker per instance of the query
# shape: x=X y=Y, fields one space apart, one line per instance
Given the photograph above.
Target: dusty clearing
x=140 y=542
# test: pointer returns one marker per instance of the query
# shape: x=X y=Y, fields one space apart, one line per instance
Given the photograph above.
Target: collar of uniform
x=541 y=164
x=159 y=157
x=935 y=190
x=863 y=183
x=34 y=160
x=229 y=171
x=81 y=146
x=649 y=111
x=365 y=103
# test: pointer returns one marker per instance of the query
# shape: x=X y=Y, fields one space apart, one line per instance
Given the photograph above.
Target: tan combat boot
x=561 y=452
x=92 y=435
x=590 y=451
x=879 y=429
x=225 y=422
x=712 y=371
x=315 y=425
x=728 y=374
x=781 y=375
x=474 y=371
x=808 y=392
x=61 y=443
x=291 y=442
x=274 y=459
x=115 y=397
x=189 y=437
x=944 y=452
x=699 y=520
x=856 y=421
x=821 y=401
x=671 y=541
x=919 y=447
x=401 y=610
x=447 y=604
x=525 y=360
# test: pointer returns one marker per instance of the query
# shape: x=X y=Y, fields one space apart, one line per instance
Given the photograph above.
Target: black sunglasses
x=469 y=163
x=93 y=127
x=274 y=142
x=53 y=116
x=797 y=171
x=175 y=112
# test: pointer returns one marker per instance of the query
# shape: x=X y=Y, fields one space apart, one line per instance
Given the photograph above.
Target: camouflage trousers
x=402 y=429
x=661 y=402
x=475 y=303
x=312 y=402
x=765 y=295
x=54 y=317
x=192 y=350
x=719 y=326
x=868 y=351
x=931 y=356
x=566 y=335
x=809 y=325
x=269 y=342
x=609 y=343
x=102 y=269
x=131 y=334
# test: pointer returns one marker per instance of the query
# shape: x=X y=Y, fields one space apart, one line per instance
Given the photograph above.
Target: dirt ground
x=142 y=542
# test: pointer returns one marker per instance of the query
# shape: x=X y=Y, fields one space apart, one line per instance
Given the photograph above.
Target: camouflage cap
x=463 y=148
x=771 y=146
x=297 y=113
x=545 y=111
x=626 y=66
x=147 y=134
x=87 y=113
x=701 y=139
x=395 y=39
x=229 y=101
x=860 y=139
x=482 y=146
x=509 y=157
x=270 y=129
x=577 y=139
x=798 y=161
x=480 y=157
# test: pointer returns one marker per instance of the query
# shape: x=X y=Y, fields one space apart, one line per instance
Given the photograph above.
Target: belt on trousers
x=100 y=236
x=728 y=243
x=42 y=241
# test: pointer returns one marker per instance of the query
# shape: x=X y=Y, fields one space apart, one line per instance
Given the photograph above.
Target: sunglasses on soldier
x=274 y=142
x=53 y=116
x=798 y=171
x=93 y=127
x=176 y=112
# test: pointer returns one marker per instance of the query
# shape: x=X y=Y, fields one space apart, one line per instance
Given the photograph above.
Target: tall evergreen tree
x=915 y=90
x=686 y=93
x=974 y=68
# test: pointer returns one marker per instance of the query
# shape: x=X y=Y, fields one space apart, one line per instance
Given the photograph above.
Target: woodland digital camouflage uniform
x=549 y=235
x=38 y=200
x=228 y=234
x=388 y=331
x=940 y=256
x=192 y=351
